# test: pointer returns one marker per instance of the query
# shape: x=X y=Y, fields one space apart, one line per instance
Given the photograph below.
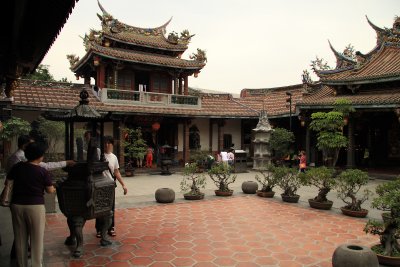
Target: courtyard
x=242 y=230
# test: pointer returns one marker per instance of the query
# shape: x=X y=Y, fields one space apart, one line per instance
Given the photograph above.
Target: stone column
x=186 y=86
x=186 y=151
x=350 y=149
x=220 y=135
x=180 y=87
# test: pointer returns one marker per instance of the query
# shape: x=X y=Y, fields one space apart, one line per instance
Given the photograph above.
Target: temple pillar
x=350 y=149
x=308 y=146
x=101 y=76
x=186 y=86
x=180 y=87
x=176 y=84
x=221 y=124
x=186 y=151
x=210 y=135
x=117 y=142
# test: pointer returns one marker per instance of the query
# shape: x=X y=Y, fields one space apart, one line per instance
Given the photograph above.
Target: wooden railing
x=127 y=97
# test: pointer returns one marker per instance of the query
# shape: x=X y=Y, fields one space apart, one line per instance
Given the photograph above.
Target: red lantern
x=155 y=126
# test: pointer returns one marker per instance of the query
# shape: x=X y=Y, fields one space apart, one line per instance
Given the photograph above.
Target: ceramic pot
x=165 y=195
x=327 y=205
x=193 y=197
x=249 y=187
x=269 y=194
x=290 y=199
x=354 y=256
x=387 y=260
x=355 y=213
x=223 y=193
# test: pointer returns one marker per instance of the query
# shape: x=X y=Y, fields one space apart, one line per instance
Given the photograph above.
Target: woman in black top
x=27 y=205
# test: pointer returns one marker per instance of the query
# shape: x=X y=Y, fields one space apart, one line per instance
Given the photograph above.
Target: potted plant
x=323 y=179
x=388 y=199
x=222 y=177
x=192 y=182
x=288 y=181
x=267 y=180
x=200 y=158
x=348 y=184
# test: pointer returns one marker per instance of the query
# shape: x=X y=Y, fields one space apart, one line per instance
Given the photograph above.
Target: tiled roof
x=383 y=66
x=139 y=57
x=154 y=41
x=325 y=96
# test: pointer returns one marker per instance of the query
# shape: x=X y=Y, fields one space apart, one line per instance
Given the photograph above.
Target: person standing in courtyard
x=149 y=157
x=114 y=174
x=28 y=212
x=302 y=161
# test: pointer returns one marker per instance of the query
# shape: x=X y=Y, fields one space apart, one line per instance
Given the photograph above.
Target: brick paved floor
x=234 y=231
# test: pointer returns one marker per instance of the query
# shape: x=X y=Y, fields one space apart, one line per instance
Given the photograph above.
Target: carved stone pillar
x=176 y=84
x=350 y=149
x=180 y=87
x=221 y=124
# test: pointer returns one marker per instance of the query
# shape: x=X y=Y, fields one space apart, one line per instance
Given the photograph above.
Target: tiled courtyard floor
x=235 y=231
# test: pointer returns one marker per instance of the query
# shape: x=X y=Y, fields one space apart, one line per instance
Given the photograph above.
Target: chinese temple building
x=371 y=82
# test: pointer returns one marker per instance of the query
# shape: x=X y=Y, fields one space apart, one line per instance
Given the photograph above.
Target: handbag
x=302 y=165
x=6 y=194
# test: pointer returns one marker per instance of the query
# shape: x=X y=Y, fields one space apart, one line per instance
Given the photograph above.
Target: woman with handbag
x=30 y=181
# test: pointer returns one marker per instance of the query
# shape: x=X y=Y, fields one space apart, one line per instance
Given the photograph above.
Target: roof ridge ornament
x=345 y=59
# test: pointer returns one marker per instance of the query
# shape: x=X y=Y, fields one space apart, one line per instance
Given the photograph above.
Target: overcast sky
x=249 y=44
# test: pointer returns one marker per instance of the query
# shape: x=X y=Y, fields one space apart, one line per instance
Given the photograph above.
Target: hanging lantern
x=96 y=61
x=155 y=126
x=346 y=120
x=107 y=43
x=196 y=74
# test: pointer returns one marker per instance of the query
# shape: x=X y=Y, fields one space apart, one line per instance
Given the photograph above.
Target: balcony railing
x=127 y=97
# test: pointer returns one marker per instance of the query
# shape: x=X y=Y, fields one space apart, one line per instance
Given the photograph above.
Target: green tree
x=53 y=132
x=135 y=145
x=330 y=138
x=41 y=73
x=13 y=128
x=280 y=142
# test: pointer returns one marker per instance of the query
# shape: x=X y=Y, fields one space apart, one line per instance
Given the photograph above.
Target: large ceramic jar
x=348 y=255
x=165 y=195
x=249 y=187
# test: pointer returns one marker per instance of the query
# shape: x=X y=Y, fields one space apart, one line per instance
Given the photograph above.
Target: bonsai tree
x=222 y=177
x=388 y=199
x=280 y=142
x=320 y=177
x=288 y=180
x=348 y=184
x=200 y=158
x=135 y=146
x=192 y=181
x=53 y=133
x=267 y=179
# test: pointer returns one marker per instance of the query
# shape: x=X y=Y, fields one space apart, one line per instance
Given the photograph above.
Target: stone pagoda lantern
x=262 y=135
